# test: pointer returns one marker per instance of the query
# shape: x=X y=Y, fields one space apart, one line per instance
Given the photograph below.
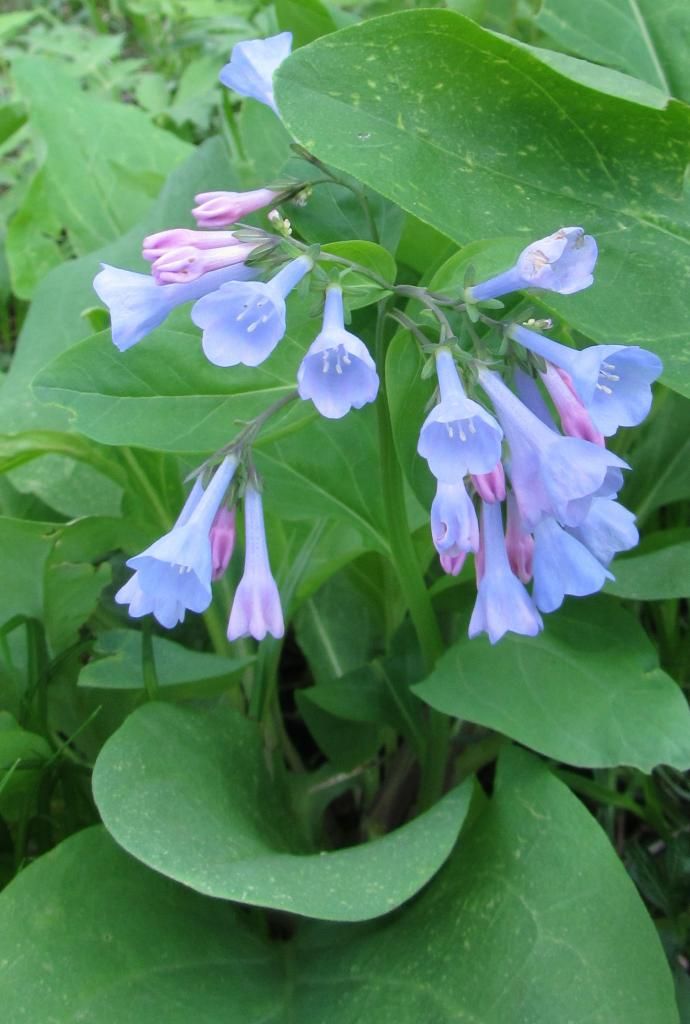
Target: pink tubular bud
x=491 y=486
x=519 y=545
x=575 y=419
x=452 y=564
x=155 y=245
x=219 y=209
x=179 y=266
x=222 y=540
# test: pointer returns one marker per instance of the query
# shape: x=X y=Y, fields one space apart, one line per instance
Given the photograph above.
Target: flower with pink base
x=221 y=209
x=256 y=608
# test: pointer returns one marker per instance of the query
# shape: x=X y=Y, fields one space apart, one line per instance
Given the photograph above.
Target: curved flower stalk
x=458 y=436
x=337 y=373
x=253 y=64
x=138 y=304
x=551 y=475
x=563 y=565
x=454 y=525
x=503 y=605
x=612 y=381
x=221 y=209
x=174 y=573
x=256 y=608
x=243 y=323
x=563 y=262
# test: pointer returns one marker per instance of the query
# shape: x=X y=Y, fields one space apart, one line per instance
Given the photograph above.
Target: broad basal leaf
x=479 y=138
x=189 y=794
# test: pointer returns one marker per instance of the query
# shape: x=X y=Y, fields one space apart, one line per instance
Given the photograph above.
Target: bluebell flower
x=243 y=323
x=256 y=608
x=551 y=475
x=174 y=573
x=458 y=436
x=503 y=605
x=562 y=565
x=454 y=525
x=561 y=263
x=607 y=529
x=253 y=64
x=613 y=381
x=138 y=304
x=337 y=373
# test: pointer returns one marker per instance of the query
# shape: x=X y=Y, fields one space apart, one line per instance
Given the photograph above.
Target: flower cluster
x=490 y=444
x=242 y=319
x=563 y=524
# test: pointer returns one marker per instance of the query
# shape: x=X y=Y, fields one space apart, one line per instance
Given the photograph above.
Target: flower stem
x=411 y=579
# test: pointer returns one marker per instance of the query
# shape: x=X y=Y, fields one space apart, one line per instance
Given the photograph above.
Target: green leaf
x=661 y=458
x=646 y=38
x=533 y=919
x=306 y=19
x=182 y=673
x=189 y=794
x=22 y=755
x=587 y=691
x=477 y=137
x=102 y=137
x=659 y=569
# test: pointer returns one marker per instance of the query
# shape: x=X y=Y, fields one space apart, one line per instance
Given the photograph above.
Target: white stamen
x=461 y=433
x=608 y=366
x=473 y=427
x=449 y=428
x=253 y=326
x=346 y=359
x=602 y=387
x=324 y=368
x=608 y=376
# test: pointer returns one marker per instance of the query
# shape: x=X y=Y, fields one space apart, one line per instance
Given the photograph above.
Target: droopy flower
x=458 y=436
x=562 y=262
x=337 y=373
x=222 y=540
x=503 y=605
x=551 y=475
x=563 y=565
x=454 y=526
x=175 y=571
x=253 y=64
x=220 y=209
x=256 y=608
x=613 y=381
x=607 y=529
x=243 y=323
x=138 y=304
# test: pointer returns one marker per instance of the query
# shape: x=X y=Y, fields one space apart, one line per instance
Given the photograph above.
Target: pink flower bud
x=575 y=419
x=491 y=486
x=179 y=266
x=219 y=209
x=452 y=564
x=519 y=545
x=155 y=245
x=222 y=540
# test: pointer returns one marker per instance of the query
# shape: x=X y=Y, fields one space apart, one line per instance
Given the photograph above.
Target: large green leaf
x=478 y=137
x=587 y=691
x=646 y=38
x=659 y=569
x=104 y=164
x=117 y=665
x=189 y=794
x=532 y=920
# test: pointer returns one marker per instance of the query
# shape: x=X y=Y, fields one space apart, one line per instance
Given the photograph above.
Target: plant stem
x=411 y=579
